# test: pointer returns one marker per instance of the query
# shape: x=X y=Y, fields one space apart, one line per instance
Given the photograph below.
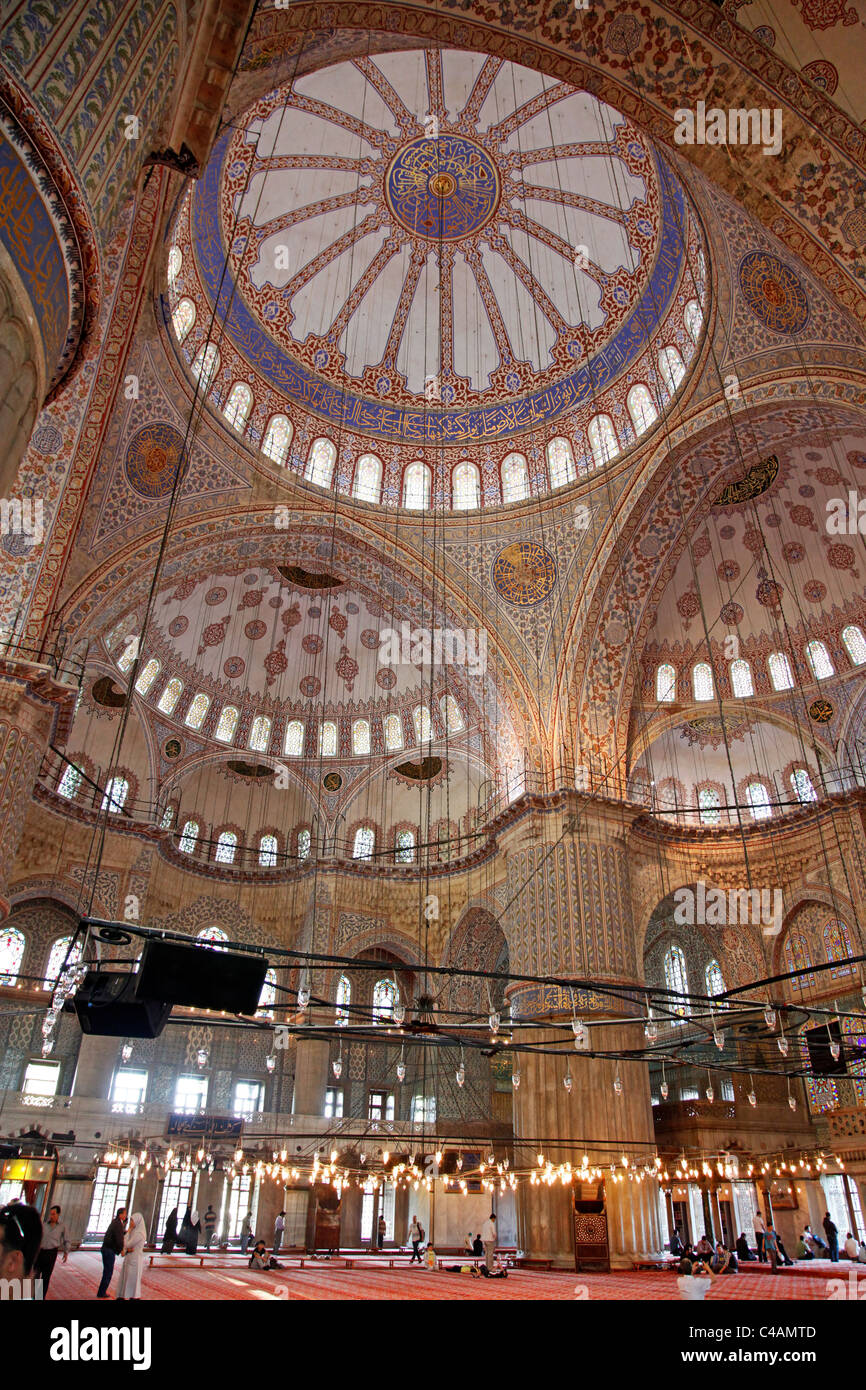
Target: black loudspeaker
x=107 y=1003
x=201 y=976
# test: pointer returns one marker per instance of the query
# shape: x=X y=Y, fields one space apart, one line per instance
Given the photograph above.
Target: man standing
x=831 y=1231
x=416 y=1235
x=279 y=1227
x=246 y=1232
x=112 y=1246
x=488 y=1238
x=382 y=1227
x=210 y=1220
x=758 y=1223
x=54 y=1239
x=771 y=1245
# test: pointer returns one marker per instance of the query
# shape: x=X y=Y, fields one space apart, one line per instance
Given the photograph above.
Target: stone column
x=311 y=1075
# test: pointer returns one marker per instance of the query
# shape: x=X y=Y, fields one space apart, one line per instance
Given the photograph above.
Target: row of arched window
x=757 y=794
x=778 y=664
x=12 y=947
x=386 y=997
x=677 y=980
x=269 y=852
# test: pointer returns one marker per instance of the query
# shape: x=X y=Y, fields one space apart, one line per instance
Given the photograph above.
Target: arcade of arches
x=432 y=567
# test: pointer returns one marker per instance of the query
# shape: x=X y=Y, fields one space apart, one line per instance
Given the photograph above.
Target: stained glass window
x=170 y=696
x=416 y=487
x=175 y=260
x=56 y=957
x=855 y=644
x=294 y=743
x=167 y=818
x=710 y=806
x=260 y=734
x=796 y=952
x=365 y=843
x=212 y=938
x=226 y=847
x=423 y=725
x=304 y=844
x=268 y=996
x=641 y=408
x=837 y=945
x=206 y=365
x=693 y=318
x=385 y=997
x=466 y=485
x=560 y=462
x=183 y=318
x=676 y=979
x=268 y=851
x=672 y=368
x=115 y=796
x=328 y=739
x=451 y=714
x=714 y=979
x=759 y=801
x=344 y=999
x=666 y=683
x=368 y=478
x=238 y=406
x=188 y=837
x=515 y=478
x=404 y=847
x=227 y=723
x=702 y=681
x=278 y=437
x=70 y=782
x=741 y=679
x=802 y=786
x=393 y=733
x=360 y=738
x=780 y=671
x=147 y=675
x=11 y=954
x=197 y=711
x=128 y=655
x=320 y=464
x=602 y=440
x=819 y=660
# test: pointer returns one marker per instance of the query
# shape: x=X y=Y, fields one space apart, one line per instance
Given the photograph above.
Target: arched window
x=260 y=734
x=268 y=996
x=741 y=679
x=515 y=478
x=294 y=742
x=328 y=739
x=796 y=953
x=759 y=801
x=672 y=368
x=780 y=671
x=183 y=318
x=404 y=847
x=344 y=999
x=360 y=738
x=278 y=437
x=305 y=841
x=466 y=487
x=56 y=957
x=116 y=792
x=212 y=938
x=70 y=782
x=170 y=696
x=416 y=487
x=714 y=979
x=801 y=784
x=197 y=711
x=423 y=725
x=206 y=365
x=238 y=406
x=560 y=462
x=365 y=842
x=129 y=654
x=368 y=479
x=147 y=675
x=226 y=847
x=666 y=683
x=268 y=851
x=320 y=464
x=175 y=261
x=819 y=660
x=693 y=318
x=188 y=837
x=385 y=999
x=451 y=714
x=641 y=408
x=837 y=944
x=227 y=723
x=855 y=644
x=11 y=954
x=602 y=440
x=393 y=733
x=676 y=979
x=702 y=681
x=710 y=806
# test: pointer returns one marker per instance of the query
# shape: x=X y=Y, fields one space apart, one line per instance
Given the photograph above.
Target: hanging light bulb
x=782 y=1044
x=792 y=1101
x=337 y=1065
x=494 y=1020
x=515 y=1078
x=709 y=1092
x=617 y=1083
x=567 y=1082
x=651 y=1029
x=201 y=1056
x=664 y=1089
x=47 y=1046
x=751 y=1097
x=399 y=1013
x=126 y=1050
x=835 y=1050
x=401 y=1066
x=770 y=1017
x=304 y=991
x=270 y=1061
x=460 y=1074
x=719 y=1039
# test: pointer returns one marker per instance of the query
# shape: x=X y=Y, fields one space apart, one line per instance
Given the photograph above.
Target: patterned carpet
x=79 y=1279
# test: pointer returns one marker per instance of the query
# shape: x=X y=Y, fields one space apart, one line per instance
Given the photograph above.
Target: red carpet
x=80 y=1277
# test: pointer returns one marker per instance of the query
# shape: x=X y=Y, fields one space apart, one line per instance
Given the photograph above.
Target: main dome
x=441 y=250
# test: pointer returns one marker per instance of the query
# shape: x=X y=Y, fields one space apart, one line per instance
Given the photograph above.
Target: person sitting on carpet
x=851 y=1247
x=260 y=1259
x=694 y=1280
x=703 y=1248
x=814 y=1243
x=676 y=1245
x=803 y=1252
x=469 y=1244
x=743 y=1251
x=723 y=1261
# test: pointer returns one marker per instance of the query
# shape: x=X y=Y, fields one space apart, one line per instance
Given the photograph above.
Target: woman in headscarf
x=169 y=1239
x=133 y=1258
x=194 y=1232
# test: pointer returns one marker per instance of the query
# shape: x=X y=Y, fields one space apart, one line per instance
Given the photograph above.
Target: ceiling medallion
x=442 y=189
x=760 y=477
x=152 y=460
x=524 y=573
x=306 y=579
x=773 y=293
x=332 y=781
x=821 y=710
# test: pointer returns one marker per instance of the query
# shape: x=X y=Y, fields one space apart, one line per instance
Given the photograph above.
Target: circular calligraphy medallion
x=152 y=460
x=524 y=573
x=443 y=189
x=773 y=292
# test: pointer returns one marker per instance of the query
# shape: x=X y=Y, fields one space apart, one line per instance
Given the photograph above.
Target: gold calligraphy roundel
x=524 y=573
